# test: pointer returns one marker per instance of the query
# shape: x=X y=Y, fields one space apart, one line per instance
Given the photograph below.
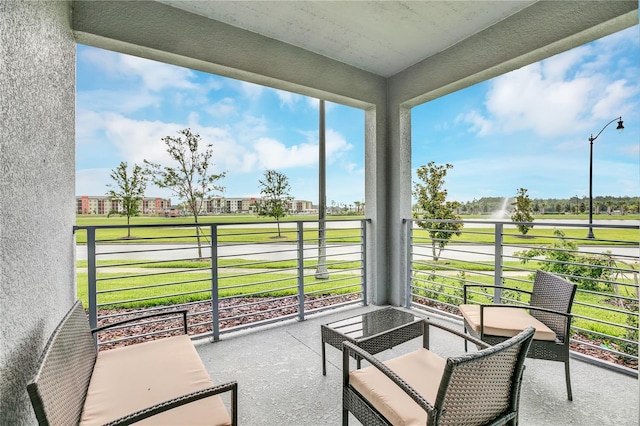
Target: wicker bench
x=157 y=382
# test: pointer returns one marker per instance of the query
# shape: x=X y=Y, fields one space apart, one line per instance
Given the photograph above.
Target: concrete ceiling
x=381 y=37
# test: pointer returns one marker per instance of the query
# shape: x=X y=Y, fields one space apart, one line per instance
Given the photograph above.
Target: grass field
x=131 y=291
x=227 y=234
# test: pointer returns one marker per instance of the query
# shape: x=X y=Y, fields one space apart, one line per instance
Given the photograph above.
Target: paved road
x=288 y=251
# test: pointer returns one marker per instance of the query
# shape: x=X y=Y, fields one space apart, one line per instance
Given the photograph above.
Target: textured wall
x=37 y=186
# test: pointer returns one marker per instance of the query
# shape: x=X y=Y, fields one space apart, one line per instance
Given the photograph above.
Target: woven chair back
x=482 y=386
x=57 y=392
x=552 y=292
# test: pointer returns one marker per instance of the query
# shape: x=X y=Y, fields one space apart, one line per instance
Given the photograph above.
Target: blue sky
x=528 y=128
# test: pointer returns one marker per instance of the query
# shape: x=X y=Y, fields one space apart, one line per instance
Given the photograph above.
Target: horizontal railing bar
x=148 y=286
x=262 y=272
x=144 y=262
x=148 y=310
x=144 y=299
x=605 y=308
x=258 y=302
x=599 y=321
x=275 y=280
x=110 y=253
x=336 y=280
x=604 y=336
x=153 y=274
x=547 y=224
x=172 y=283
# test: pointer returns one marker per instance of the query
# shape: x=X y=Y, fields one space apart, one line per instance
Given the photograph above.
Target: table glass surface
x=366 y=325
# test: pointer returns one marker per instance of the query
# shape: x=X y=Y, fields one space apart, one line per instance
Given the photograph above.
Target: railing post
x=498 y=262
x=300 y=271
x=409 y=232
x=215 y=306
x=363 y=259
x=92 y=281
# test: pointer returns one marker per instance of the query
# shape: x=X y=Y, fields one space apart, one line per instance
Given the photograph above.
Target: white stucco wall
x=37 y=185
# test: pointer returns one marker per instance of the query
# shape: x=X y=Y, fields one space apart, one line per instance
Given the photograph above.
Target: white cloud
x=92 y=181
x=566 y=94
x=224 y=108
x=88 y=126
x=116 y=100
x=617 y=97
x=479 y=124
x=288 y=99
x=250 y=90
x=155 y=76
x=276 y=155
x=273 y=154
x=559 y=66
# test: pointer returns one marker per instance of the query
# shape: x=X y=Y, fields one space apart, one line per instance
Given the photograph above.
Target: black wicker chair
x=58 y=391
x=548 y=311
x=479 y=388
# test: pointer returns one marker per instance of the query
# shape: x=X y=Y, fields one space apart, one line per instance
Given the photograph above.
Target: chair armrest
x=157 y=314
x=464 y=290
x=183 y=400
x=406 y=388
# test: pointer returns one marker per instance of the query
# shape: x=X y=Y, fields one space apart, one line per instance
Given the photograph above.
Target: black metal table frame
x=385 y=339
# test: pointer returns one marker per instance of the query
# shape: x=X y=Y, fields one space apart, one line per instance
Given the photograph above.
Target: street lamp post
x=591 y=139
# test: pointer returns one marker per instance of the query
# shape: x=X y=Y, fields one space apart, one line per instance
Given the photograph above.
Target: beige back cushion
x=135 y=377
x=393 y=403
x=505 y=322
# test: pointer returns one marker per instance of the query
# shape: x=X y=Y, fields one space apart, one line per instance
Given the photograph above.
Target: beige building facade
x=86 y=204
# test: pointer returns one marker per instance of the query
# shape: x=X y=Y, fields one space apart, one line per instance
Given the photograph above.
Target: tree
x=274 y=193
x=432 y=203
x=191 y=179
x=127 y=191
x=522 y=211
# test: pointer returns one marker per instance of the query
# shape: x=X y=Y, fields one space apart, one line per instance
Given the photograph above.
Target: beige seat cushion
x=134 y=377
x=421 y=369
x=505 y=322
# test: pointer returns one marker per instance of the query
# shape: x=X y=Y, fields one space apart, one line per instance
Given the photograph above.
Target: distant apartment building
x=247 y=205
x=86 y=204
x=159 y=206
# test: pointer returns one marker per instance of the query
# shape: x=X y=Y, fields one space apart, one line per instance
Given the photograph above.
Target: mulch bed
x=233 y=312
x=247 y=310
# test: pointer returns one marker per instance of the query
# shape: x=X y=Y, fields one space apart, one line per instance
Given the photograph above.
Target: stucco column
x=37 y=190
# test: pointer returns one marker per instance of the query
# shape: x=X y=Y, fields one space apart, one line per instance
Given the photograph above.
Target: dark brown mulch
x=248 y=310
x=233 y=312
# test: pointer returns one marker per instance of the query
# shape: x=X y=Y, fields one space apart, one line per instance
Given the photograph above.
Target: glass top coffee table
x=374 y=331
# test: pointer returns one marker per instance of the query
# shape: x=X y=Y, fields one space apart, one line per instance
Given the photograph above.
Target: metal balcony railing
x=245 y=275
x=229 y=276
x=495 y=253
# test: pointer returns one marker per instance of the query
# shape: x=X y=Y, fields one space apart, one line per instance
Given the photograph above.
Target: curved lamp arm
x=620 y=127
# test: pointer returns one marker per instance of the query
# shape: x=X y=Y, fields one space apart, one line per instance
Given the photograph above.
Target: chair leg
x=345 y=417
x=465 y=340
x=568 y=378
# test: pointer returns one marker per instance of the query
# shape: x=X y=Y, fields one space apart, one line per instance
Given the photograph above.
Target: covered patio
x=280 y=381
x=382 y=57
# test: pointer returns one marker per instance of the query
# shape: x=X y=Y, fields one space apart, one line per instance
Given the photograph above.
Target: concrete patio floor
x=279 y=373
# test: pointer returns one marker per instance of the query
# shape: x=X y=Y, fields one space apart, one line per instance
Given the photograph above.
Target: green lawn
x=131 y=291
x=469 y=234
